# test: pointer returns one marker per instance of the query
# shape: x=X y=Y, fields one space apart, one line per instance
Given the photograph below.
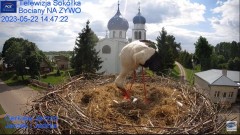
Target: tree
x=85 y=58
x=185 y=59
x=20 y=54
x=224 y=55
x=175 y=47
x=168 y=50
x=14 y=57
x=234 y=64
x=203 y=51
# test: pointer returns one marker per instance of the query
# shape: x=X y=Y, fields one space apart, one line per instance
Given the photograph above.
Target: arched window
x=106 y=49
x=144 y=35
x=140 y=36
x=120 y=34
x=135 y=35
x=113 y=34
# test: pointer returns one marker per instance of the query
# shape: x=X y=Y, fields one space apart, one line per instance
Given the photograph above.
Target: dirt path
x=182 y=71
x=15 y=99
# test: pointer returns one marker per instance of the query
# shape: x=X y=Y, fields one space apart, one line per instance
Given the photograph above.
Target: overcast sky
x=186 y=20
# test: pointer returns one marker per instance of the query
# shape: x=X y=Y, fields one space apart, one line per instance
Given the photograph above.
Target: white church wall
x=121 y=34
x=117 y=40
x=118 y=50
x=139 y=26
x=111 y=61
x=136 y=37
x=108 y=64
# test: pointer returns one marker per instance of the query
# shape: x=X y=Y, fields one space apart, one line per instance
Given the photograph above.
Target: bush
x=58 y=73
x=15 y=77
x=45 y=76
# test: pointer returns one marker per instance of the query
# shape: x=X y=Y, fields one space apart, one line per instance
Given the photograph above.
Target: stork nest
x=96 y=106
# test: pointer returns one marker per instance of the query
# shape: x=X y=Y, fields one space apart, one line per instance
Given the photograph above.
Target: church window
x=140 y=36
x=106 y=49
x=113 y=34
x=120 y=34
x=135 y=35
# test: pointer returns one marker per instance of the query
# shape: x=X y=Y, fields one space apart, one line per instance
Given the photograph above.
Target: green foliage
x=185 y=59
x=228 y=50
x=190 y=73
x=11 y=79
x=175 y=72
x=226 y=56
x=203 y=52
x=23 y=55
x=64 y=53
x=4 y=123
x=168 y=49
x=234 y=64
x=85 y=59
x=58 y=73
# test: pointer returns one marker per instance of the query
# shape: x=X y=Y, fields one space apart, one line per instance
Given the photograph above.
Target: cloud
x=178 y=17
x=226 y=24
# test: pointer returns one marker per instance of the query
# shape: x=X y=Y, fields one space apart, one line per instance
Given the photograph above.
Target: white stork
x=133 y=55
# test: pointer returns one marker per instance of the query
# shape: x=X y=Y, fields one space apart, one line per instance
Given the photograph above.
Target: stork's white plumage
x=132 y=56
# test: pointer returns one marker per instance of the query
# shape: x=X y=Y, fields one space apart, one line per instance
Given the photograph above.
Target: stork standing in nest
x=133 y=55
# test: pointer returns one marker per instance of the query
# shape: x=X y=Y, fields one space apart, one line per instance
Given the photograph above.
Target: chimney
x=224 y=72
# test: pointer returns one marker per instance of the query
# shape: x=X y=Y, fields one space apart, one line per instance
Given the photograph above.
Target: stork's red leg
x=125 y=93
x=144 y=87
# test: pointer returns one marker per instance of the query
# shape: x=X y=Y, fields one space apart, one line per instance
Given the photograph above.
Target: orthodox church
x=110 y=46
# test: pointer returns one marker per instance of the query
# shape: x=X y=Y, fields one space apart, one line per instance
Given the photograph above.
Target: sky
x=186 y=20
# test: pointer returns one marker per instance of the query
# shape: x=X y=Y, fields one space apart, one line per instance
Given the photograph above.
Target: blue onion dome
x=117 y=22
x=139 y=19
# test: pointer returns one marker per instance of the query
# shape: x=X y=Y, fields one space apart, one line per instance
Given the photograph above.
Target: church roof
x=117 y=22
x=139 y=19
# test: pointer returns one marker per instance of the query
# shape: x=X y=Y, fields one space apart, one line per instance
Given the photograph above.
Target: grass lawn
x=3 y=123
x=190 y=73
x=11 y=79
x=175 y=72
x=52 y=78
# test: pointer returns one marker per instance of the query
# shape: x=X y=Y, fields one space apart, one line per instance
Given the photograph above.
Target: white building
x=111 y=45
x=220 y=85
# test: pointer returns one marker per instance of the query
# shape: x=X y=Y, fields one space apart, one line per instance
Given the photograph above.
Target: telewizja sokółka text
x=50 y=7
x=51 y=10
x=50 y=3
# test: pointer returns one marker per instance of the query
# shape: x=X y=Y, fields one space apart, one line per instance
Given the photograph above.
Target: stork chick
x=133 y=55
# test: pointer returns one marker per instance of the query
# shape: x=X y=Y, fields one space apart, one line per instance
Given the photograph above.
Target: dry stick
x=70 y=83
x=43 y=115
x=91 y=127
x=197 y=113
x=57 y=115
